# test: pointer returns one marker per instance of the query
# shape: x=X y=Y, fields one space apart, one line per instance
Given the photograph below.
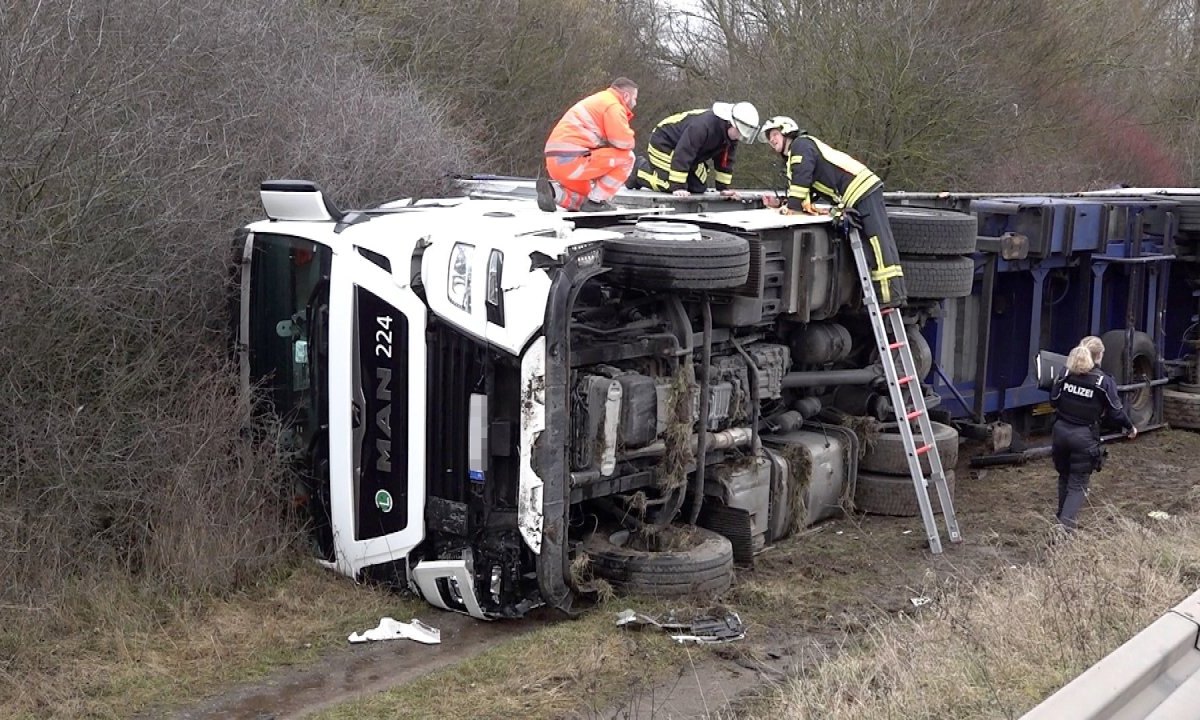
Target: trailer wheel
x=938 y=278
x=925 y=231
x=886 y=454
x=678 y=256
x=1143 y=360
x=692 y=561
x=1181 y=409
x=894 y=494
x=1189 y=217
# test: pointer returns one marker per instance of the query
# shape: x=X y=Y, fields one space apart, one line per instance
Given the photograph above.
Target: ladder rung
x=897 y=345
x=914 y=414
x=924 y=449
x=905 y=380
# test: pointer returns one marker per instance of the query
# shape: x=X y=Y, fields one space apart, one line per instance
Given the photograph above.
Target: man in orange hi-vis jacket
x=590 y=151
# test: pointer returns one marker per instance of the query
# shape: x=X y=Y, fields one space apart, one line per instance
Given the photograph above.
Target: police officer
x=1082 y=397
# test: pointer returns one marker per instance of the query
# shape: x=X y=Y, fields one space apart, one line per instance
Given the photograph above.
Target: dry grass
x=996 y=648
x=680 y=456
x=550 y=673
x=123 y=652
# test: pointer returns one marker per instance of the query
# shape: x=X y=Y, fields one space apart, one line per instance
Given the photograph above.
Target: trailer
x=1050 y=269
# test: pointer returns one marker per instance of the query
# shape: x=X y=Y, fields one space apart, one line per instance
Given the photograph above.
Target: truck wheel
x=1181 y=409
x=678 y=256
x=687 y=561
x=924 y=231
x=939 y=278
x=1143 y=360
x=886 y=454
x=894 y=494
x=1189 y=217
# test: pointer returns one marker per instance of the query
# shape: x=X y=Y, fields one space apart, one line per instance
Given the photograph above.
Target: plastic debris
x=907 y=532
x=919 y=601
x=390 y=629
x=1158 y=515
x=715 y=625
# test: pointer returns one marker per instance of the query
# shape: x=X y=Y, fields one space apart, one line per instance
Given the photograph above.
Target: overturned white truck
x=496 y=406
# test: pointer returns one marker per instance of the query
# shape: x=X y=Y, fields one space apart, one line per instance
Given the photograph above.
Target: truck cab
x=479 y=395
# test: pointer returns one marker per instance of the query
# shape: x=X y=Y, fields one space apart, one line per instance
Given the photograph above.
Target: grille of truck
x=455 y=371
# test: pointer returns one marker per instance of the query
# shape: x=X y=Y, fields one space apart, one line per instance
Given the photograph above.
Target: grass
x=997 y=647
x=116 y=652
x=572 y=667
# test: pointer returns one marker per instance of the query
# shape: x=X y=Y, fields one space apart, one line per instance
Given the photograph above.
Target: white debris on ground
x=1158 y=515
x=716 y=625
x=390 y=629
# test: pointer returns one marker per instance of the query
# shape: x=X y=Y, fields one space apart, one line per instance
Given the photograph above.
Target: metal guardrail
x=1154 y=676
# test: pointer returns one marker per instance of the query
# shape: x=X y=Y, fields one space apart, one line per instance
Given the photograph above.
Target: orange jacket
x=597 y=121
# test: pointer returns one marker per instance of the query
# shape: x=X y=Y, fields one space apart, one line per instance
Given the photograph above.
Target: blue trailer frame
x=1049 y=270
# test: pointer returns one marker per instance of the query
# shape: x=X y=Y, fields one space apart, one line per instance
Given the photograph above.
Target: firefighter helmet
x=742 y=115
x=782 y=123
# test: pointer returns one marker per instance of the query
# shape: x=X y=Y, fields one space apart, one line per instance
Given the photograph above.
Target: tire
x=702 y=567
x=709 y=261
x=894 y=495
x=937 y=279
x=1181 y=409
x=887 y=454
x=924 y=231
x=1143 y=359
x=921 y=352
x=1189 y=217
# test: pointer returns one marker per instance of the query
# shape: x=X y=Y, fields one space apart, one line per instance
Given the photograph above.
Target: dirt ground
x=803 y=600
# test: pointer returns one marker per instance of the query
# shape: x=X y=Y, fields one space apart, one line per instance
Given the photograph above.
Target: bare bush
x=135 y=137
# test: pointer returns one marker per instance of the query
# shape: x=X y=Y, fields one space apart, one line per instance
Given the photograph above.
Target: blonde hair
x=1094 y=345
x=1080 y=361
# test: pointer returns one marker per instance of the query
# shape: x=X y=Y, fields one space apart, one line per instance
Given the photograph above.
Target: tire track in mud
x=359 y=671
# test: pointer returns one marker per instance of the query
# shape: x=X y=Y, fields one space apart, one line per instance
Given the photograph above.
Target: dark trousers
x=1075 y=450
x=880 y=246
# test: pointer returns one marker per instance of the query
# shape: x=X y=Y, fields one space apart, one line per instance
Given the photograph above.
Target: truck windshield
x=286 y=338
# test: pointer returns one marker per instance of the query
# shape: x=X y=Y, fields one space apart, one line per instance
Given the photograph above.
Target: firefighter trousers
x=598 y=175
x=880 y=247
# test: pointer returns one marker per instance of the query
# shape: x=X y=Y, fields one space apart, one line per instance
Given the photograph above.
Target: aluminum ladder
x=891 y=340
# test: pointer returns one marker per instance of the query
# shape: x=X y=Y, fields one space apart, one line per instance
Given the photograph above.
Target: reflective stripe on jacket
x=686 y=140
x=599 y=120
x=813 y=166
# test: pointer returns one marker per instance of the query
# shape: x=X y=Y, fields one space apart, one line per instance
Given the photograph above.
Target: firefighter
x=590 y=151
x=682 y=146
x=814 y=168
x=1081 y=397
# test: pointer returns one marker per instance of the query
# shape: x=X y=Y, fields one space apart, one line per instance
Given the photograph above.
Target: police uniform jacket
x=1082 y=399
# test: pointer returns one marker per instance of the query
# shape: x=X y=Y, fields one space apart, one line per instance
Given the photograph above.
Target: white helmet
x=743 y=116
x=782 y=123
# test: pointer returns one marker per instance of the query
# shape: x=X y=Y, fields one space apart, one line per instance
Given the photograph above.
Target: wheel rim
x=1141 y=401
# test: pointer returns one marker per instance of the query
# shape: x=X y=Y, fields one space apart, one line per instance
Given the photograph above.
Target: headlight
x=458 y=281
x=493 y=296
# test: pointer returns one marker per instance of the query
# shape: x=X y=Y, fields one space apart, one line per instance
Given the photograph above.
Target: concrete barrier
x=1154 y=676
